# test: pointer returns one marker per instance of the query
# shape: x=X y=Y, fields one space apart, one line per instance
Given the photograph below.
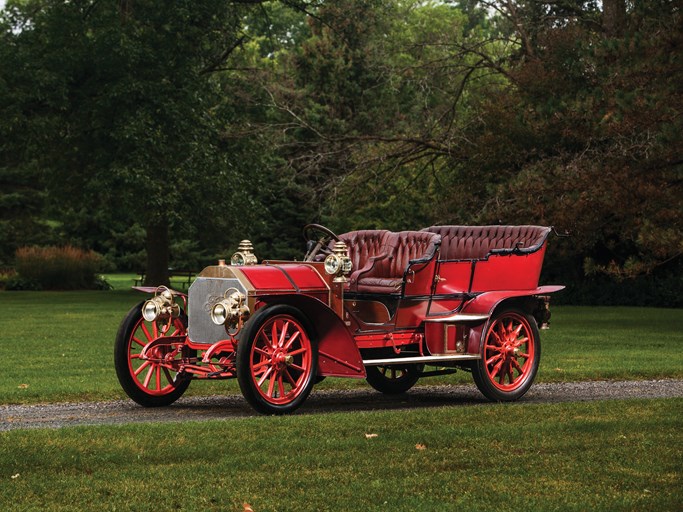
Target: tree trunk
x=157 y=245
x=613 y=17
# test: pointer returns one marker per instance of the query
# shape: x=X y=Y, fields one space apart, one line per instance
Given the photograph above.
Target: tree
x=204 y=119
x=591 y=136
x=370 y=98
x=22 y=194
x=120 y=96
x=564 y=113
x=21 y=200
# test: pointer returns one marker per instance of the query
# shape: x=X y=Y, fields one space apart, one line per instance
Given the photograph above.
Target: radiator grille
x=202 y=295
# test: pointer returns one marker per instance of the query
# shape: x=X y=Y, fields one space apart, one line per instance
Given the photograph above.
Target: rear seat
x=477 y=242
x=380 y=258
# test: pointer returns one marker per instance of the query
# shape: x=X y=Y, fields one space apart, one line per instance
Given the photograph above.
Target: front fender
x=338 y=354
x=151 y=290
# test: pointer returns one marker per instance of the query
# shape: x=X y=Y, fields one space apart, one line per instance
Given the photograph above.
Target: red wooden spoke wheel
x=509 y=356
x=393 y=379
x=276 y=360
x=154 y=381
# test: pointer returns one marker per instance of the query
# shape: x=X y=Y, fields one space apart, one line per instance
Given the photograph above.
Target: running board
x=420 y=359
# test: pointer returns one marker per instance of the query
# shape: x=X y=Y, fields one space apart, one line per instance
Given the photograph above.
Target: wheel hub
x=510 y=350
x=510 y=345
x=280 y=359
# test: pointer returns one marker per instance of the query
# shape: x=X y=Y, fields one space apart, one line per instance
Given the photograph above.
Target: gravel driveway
x=234 y=406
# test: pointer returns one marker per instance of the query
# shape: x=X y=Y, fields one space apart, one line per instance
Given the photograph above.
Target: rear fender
x=487 y=303
x=338 y=354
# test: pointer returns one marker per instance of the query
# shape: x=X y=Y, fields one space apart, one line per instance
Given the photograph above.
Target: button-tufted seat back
x=475 y=242
x=411 y=245
x=362 y=245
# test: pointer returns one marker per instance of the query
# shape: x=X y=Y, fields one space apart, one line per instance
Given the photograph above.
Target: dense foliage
x=161 y=134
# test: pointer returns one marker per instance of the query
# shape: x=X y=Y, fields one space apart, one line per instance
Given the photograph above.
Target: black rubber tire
x=378 y=379
x=123 y=370
x=522 y=382
x=244 y=355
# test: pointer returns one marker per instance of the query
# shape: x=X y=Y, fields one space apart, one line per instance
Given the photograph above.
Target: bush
x=5 y=275
x=58 y=268
x=17 y=283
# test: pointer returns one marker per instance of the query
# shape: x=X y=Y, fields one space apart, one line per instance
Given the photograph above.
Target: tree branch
x=216 y=64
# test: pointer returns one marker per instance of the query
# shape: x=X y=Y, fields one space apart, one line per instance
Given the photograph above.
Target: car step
x=420 y=359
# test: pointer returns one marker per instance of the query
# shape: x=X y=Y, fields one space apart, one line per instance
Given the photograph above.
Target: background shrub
x=58 y=268
x=7 y=275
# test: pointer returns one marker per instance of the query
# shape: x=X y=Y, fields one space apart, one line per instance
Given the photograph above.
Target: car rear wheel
x=509 y=356
x=276 y=360
x=394 y=379
x=150 y=382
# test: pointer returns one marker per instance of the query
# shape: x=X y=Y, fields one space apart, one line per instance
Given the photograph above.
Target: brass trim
x=459 y=318
x=245 y=251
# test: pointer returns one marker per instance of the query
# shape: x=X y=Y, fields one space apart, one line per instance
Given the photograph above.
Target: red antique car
x=370 y=304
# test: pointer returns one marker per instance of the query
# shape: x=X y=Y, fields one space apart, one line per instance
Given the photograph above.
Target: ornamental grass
x=59 y=268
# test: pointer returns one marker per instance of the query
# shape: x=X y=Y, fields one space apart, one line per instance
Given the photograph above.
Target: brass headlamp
x=231 y=310
x=244 y=255
x=338 y=263
x=161 y=307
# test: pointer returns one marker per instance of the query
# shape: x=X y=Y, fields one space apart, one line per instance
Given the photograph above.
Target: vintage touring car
x=370 y=304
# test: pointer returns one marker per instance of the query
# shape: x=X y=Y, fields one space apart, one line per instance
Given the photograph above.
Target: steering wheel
x=317 y=238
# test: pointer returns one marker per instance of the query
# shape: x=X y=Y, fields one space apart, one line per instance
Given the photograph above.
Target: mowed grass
x=607 y=455
x=58 y=346
x=585 y=456
x=611 y=343
x=126 y=281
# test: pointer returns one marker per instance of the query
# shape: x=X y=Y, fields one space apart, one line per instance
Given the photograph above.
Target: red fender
x=485 y=303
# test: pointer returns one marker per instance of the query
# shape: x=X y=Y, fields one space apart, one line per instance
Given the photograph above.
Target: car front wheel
x=277 y=360
x=154 y=381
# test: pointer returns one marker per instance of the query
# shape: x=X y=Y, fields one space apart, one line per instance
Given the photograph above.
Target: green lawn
x=125 y=281
x=520 y=457
x=121 y=281
x=58 y=346
x=621 y=455
x=612 y=343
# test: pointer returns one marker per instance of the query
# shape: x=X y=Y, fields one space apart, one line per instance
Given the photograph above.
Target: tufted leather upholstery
x=362 y=245
x=476 y=242
x=411 y=245
x=380 y=258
